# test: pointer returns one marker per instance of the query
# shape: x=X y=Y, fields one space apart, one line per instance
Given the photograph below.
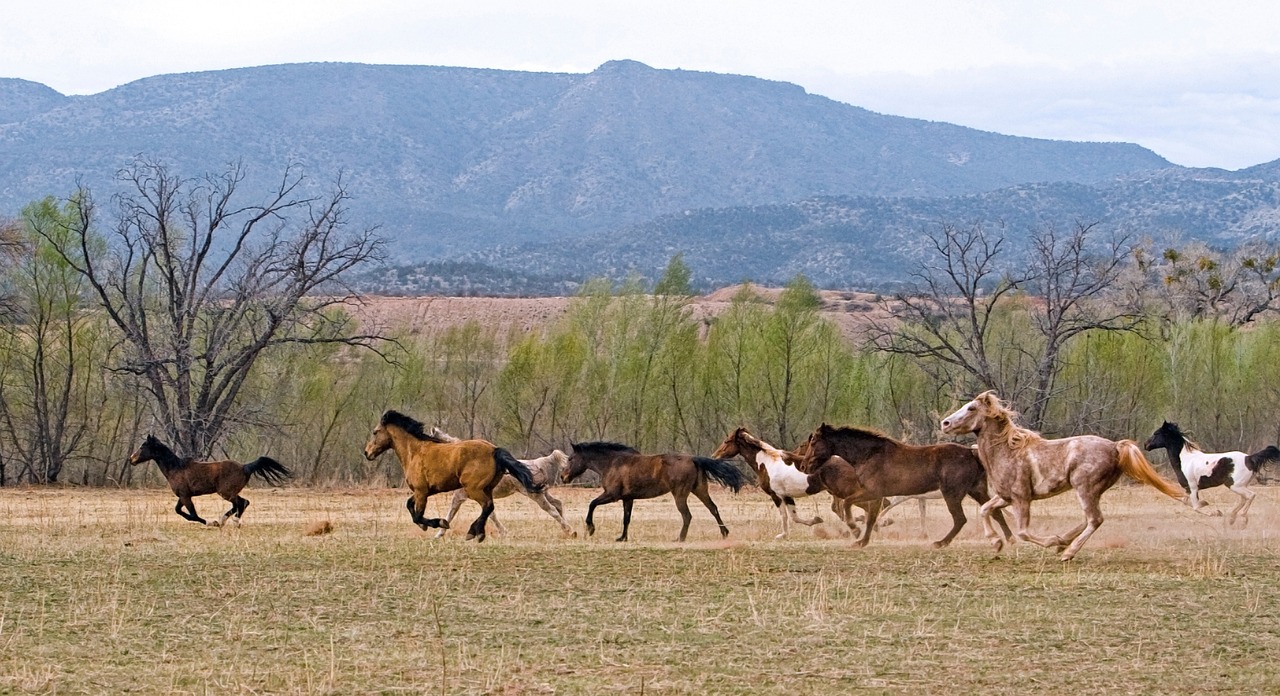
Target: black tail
x=509 y=464
x=721 y=470
x=1268 y=454
x=268 y=470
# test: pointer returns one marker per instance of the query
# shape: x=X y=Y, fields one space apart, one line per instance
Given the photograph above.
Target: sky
x=1197 y=82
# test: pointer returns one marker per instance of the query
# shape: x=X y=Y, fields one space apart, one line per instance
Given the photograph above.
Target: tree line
x=215 y=319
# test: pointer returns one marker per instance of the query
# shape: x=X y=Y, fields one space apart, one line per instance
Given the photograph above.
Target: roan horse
x=432 y=465
x=545 y=470
x=1197 y=470
x=1022 y=466
x=627 y=475
x=877 y=466
x=190 y=478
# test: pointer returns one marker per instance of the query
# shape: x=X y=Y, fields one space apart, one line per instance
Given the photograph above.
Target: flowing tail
x=1133 y=463
x=508 y=464
x=268 y=470
x=721 y=470
x=1255 y=461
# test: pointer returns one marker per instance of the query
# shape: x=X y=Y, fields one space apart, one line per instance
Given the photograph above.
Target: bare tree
x=200 y=283
x=948 y=319
x=1200 y=283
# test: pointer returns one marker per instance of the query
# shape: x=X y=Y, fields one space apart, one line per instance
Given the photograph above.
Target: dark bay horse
x=1023 y=466
x=1197 y=469
x=434 y=465
x=189 y=478
x=628 y=475
x=876 y=466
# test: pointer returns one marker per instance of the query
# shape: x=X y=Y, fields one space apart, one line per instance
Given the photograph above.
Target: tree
x=200 y=283
x=1199 y=283
x=964 y=312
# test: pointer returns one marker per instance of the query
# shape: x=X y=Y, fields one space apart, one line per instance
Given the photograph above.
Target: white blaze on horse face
x=959 y=422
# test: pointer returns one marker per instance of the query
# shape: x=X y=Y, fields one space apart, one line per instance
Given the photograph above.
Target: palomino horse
x=189 y=478
x=877 y=466
x=1022 y=466
x=1197 y=470
x=544 y=470
x=627 y=475
x=432 y=465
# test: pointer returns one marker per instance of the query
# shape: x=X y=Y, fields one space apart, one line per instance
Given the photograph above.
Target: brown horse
x=627 y=475
x=877 y=466
x=433 y=465
x=1023 y=466
x=189 y=478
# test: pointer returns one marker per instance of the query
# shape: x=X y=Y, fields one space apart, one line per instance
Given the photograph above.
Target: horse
x=628 y=475
x=1197 y=469
x=189 y=478
x=433 y=465
x=922 y=499
x=1023 y=466
x=876 y=466
x=544 y=470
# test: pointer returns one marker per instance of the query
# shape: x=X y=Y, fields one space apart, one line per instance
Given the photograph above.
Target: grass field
x=105 y=591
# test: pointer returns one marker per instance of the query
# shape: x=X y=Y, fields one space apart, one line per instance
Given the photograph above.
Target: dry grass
x=108 y=591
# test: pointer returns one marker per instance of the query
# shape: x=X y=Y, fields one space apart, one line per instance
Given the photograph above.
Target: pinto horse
x=876 y=466
x=627 y=475
x=1197 y=469
x=433 y=465
x=544 y=470
x=1022 y=466
x=189 y=478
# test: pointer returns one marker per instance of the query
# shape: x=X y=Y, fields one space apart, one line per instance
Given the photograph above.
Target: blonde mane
x=1015 y=437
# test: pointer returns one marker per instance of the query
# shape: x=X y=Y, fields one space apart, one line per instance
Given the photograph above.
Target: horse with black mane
x=434 y=465
x=189 y=478
x=1197 y=470
x=628 y=475
x=876 y=466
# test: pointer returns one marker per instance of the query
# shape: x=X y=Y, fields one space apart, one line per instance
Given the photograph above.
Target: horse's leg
x=924 y=530
x=1089 y=500
x=190 y=514
x=554 y=508
x=477 y=528
x=682 y=504
x=846 y=509
x=955 y=505
x=782 y=505
x=873 y=510
x=1242 y=508
x=417 y=504
x=459 y=497
x=791 y=510
x=989 y=508
x=231 y=511
x=626 y=517
x=705 y=496
x=602 y=499
x=1021 y=508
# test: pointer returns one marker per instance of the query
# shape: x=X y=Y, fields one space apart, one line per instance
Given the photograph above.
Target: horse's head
x=729 y=448
x=379 y=442
x=969 y=418
x=1167 y=435
x=149 y=450
x=575 y=467
x=818 y=447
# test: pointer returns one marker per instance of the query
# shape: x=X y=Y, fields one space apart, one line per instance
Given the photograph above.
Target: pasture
x=110 y=591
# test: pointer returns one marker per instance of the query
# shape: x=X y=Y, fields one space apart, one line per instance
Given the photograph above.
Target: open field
x=107 y=591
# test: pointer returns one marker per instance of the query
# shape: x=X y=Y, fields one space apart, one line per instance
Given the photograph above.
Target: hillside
x=449 y=160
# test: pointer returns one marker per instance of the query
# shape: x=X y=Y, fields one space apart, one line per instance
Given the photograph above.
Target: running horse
x=1197 y=469
x=858 y=464
x=627 y=475
x=189 y=478
x=1023 y=466
x=434 y=465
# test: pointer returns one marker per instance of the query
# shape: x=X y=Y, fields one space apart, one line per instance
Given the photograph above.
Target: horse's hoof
x=591 y=531
x=212 y=523
x=478 y=537
x=939 y=544
x=439 y=534
x=998 y=545
x=442 y=524
x=783 y=535
x=1066 y=557
x=1216 y=513
x=884 y=523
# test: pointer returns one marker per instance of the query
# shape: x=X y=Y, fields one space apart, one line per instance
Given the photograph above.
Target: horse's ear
x=573 y=446
x=988 y=397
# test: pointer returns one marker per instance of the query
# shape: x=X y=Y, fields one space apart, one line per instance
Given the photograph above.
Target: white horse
x=1197 y=470
x=545 y=471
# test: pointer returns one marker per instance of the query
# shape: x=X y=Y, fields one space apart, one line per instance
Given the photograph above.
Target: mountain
x=455 y=160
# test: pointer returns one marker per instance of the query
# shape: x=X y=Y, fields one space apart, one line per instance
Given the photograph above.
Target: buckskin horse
x=433 y=465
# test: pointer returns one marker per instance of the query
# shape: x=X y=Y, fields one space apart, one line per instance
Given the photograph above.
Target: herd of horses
x=1008 y=466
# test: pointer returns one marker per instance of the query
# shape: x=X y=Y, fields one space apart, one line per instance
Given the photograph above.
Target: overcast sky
x=1197 y=82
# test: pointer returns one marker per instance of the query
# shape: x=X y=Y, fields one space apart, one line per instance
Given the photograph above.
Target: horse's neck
x=405 y=445
x=169 y=462
x=859 y=447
